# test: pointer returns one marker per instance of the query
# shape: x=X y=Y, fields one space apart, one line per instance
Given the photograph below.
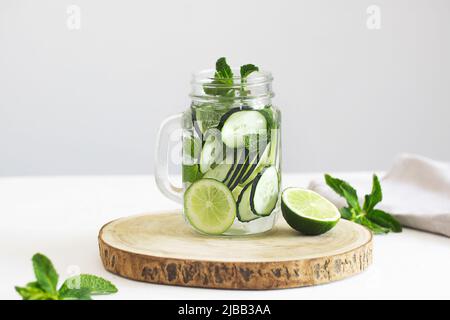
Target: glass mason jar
x=231 y=147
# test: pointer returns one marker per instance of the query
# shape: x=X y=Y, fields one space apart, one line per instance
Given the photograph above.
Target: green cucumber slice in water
x=255 y=170
x=227 y=114
x=220 y=173
x=240 y=161
x=212 y=151
x=236 y=192
x=274 y=134
x=244 y=210
x=241 y=124
x=244 y=168
x=265 y=191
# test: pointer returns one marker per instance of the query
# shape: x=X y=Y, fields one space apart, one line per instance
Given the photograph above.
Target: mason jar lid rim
x=207 y=75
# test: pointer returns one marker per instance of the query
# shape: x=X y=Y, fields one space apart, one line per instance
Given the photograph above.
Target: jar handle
x=163 y=182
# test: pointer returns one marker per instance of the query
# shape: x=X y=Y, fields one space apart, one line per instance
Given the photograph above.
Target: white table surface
x=61 y=216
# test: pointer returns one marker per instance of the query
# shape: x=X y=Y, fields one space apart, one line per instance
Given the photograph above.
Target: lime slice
x=308 y=212
x=209 y=206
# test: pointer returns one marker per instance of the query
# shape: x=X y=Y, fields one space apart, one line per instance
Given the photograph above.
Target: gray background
x=90 y=101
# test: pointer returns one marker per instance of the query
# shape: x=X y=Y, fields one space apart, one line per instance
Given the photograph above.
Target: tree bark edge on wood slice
x=260 y=275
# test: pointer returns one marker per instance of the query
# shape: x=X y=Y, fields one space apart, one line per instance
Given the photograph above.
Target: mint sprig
x=246 y=69
x=222 y=84
x=223 y=80
x=377 y=221
x=80 y=287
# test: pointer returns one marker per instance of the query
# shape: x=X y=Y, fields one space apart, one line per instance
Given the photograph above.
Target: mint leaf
x=345 y=190
x=375 y=197
x=190 y=173
x=246 y=69
x=223 y=70
x=95 y=285
x=223 y=80
x=222 y=84
x=374 y=227
x=270 y=116
x=385 y=220
x=46 y=275
x=351 y=196
x=76 y=294
x=376 y=220
x=34 y=293
x=334 y=184
x=346 y=213
x=75 y=288
x=366 y=202
x=34 y=284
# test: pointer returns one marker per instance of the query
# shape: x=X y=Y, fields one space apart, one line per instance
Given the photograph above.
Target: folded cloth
x=416 y=191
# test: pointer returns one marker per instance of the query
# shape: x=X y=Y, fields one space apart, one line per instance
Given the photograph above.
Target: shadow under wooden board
x=162 y=248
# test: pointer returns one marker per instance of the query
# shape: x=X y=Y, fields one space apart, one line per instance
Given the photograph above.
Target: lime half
x=209 y=206
x=308 y=212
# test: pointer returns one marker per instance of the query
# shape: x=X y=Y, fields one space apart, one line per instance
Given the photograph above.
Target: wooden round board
x=162 y=248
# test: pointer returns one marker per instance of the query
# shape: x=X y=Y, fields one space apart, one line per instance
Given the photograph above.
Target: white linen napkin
x=416 y=191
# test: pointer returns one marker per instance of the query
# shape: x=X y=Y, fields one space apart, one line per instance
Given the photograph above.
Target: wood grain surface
x=162 y=248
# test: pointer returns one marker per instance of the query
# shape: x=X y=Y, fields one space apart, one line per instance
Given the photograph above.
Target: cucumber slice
x=257 y=142
x=244 y=210
x=237 y=126
x=256 y=169
x=235 y=160
x=220 y=173
x=230 y=112
x=235 y=182
x=250 y=166
x=265 y=191
x=236 y=192
x=212 y=151
x=255 y=160
x=240 y=166
x=274 y=134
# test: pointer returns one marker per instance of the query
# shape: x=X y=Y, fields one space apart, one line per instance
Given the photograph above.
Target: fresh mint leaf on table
x=93 y=284
x=46 y=276
x=377 y=221
x=80 y=287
